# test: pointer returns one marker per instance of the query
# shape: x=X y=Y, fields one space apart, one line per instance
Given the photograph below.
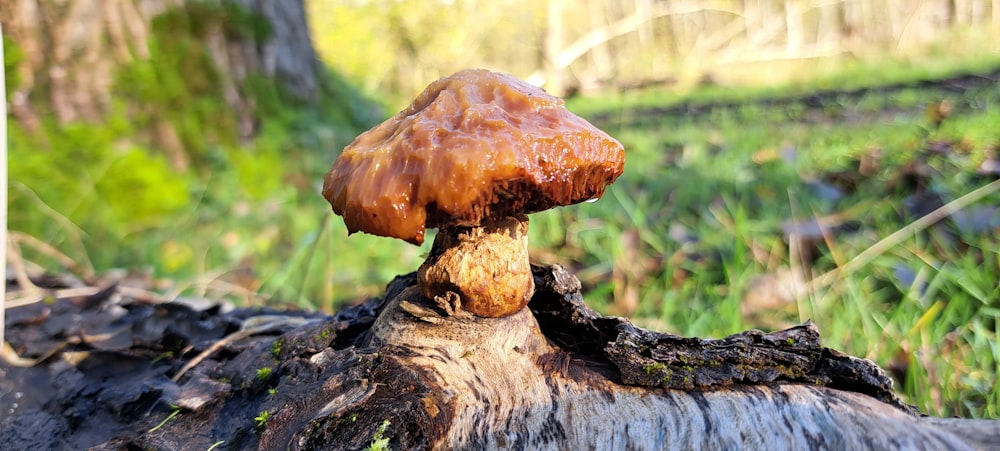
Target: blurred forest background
x=589 y=45
x=181 y=144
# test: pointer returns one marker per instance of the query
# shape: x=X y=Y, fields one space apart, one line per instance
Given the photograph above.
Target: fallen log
x=413 y=373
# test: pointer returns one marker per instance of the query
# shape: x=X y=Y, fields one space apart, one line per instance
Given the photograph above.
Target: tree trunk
x=288 y=55
x=414 y=373
x=73 y=52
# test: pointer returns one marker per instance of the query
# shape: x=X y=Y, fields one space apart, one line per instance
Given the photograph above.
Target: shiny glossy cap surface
x=473 y=145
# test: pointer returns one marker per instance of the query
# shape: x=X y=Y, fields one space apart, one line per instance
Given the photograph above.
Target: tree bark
x=70 y=50
x=424 y=374
x=73 y=51
x=288 y=54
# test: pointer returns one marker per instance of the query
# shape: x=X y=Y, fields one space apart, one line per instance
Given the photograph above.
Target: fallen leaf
x=772 y=294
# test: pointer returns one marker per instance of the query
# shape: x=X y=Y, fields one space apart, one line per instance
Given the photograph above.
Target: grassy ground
x=731 y=203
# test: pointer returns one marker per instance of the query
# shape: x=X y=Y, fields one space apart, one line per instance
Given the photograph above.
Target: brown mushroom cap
x=473 y=145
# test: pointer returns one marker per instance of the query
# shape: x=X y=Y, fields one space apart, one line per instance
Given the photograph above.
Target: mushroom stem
x=487 y=266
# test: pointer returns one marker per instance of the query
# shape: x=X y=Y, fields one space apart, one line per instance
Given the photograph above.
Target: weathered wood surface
x=442 y=378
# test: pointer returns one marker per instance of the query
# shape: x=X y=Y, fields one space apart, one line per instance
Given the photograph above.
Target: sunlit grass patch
x=701 y=216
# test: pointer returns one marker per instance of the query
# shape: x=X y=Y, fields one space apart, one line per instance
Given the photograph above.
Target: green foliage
x=79 y=177
x=260 y=421
x=379 y=441
x=258 y=172
x=13 y=55
x=141 y=189
x=198 y=17
x=276 y=347
x=409 y=46
x=109 y=192
x=179 y=86
x=850 y=74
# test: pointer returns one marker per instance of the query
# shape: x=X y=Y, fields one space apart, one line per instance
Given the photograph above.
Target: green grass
x=846 y=75
x=709 y=175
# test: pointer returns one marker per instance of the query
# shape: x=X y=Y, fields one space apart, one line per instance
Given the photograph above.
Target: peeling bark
x=554 y=376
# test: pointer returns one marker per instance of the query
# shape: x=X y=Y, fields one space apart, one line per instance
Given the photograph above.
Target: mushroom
x=472 y=156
